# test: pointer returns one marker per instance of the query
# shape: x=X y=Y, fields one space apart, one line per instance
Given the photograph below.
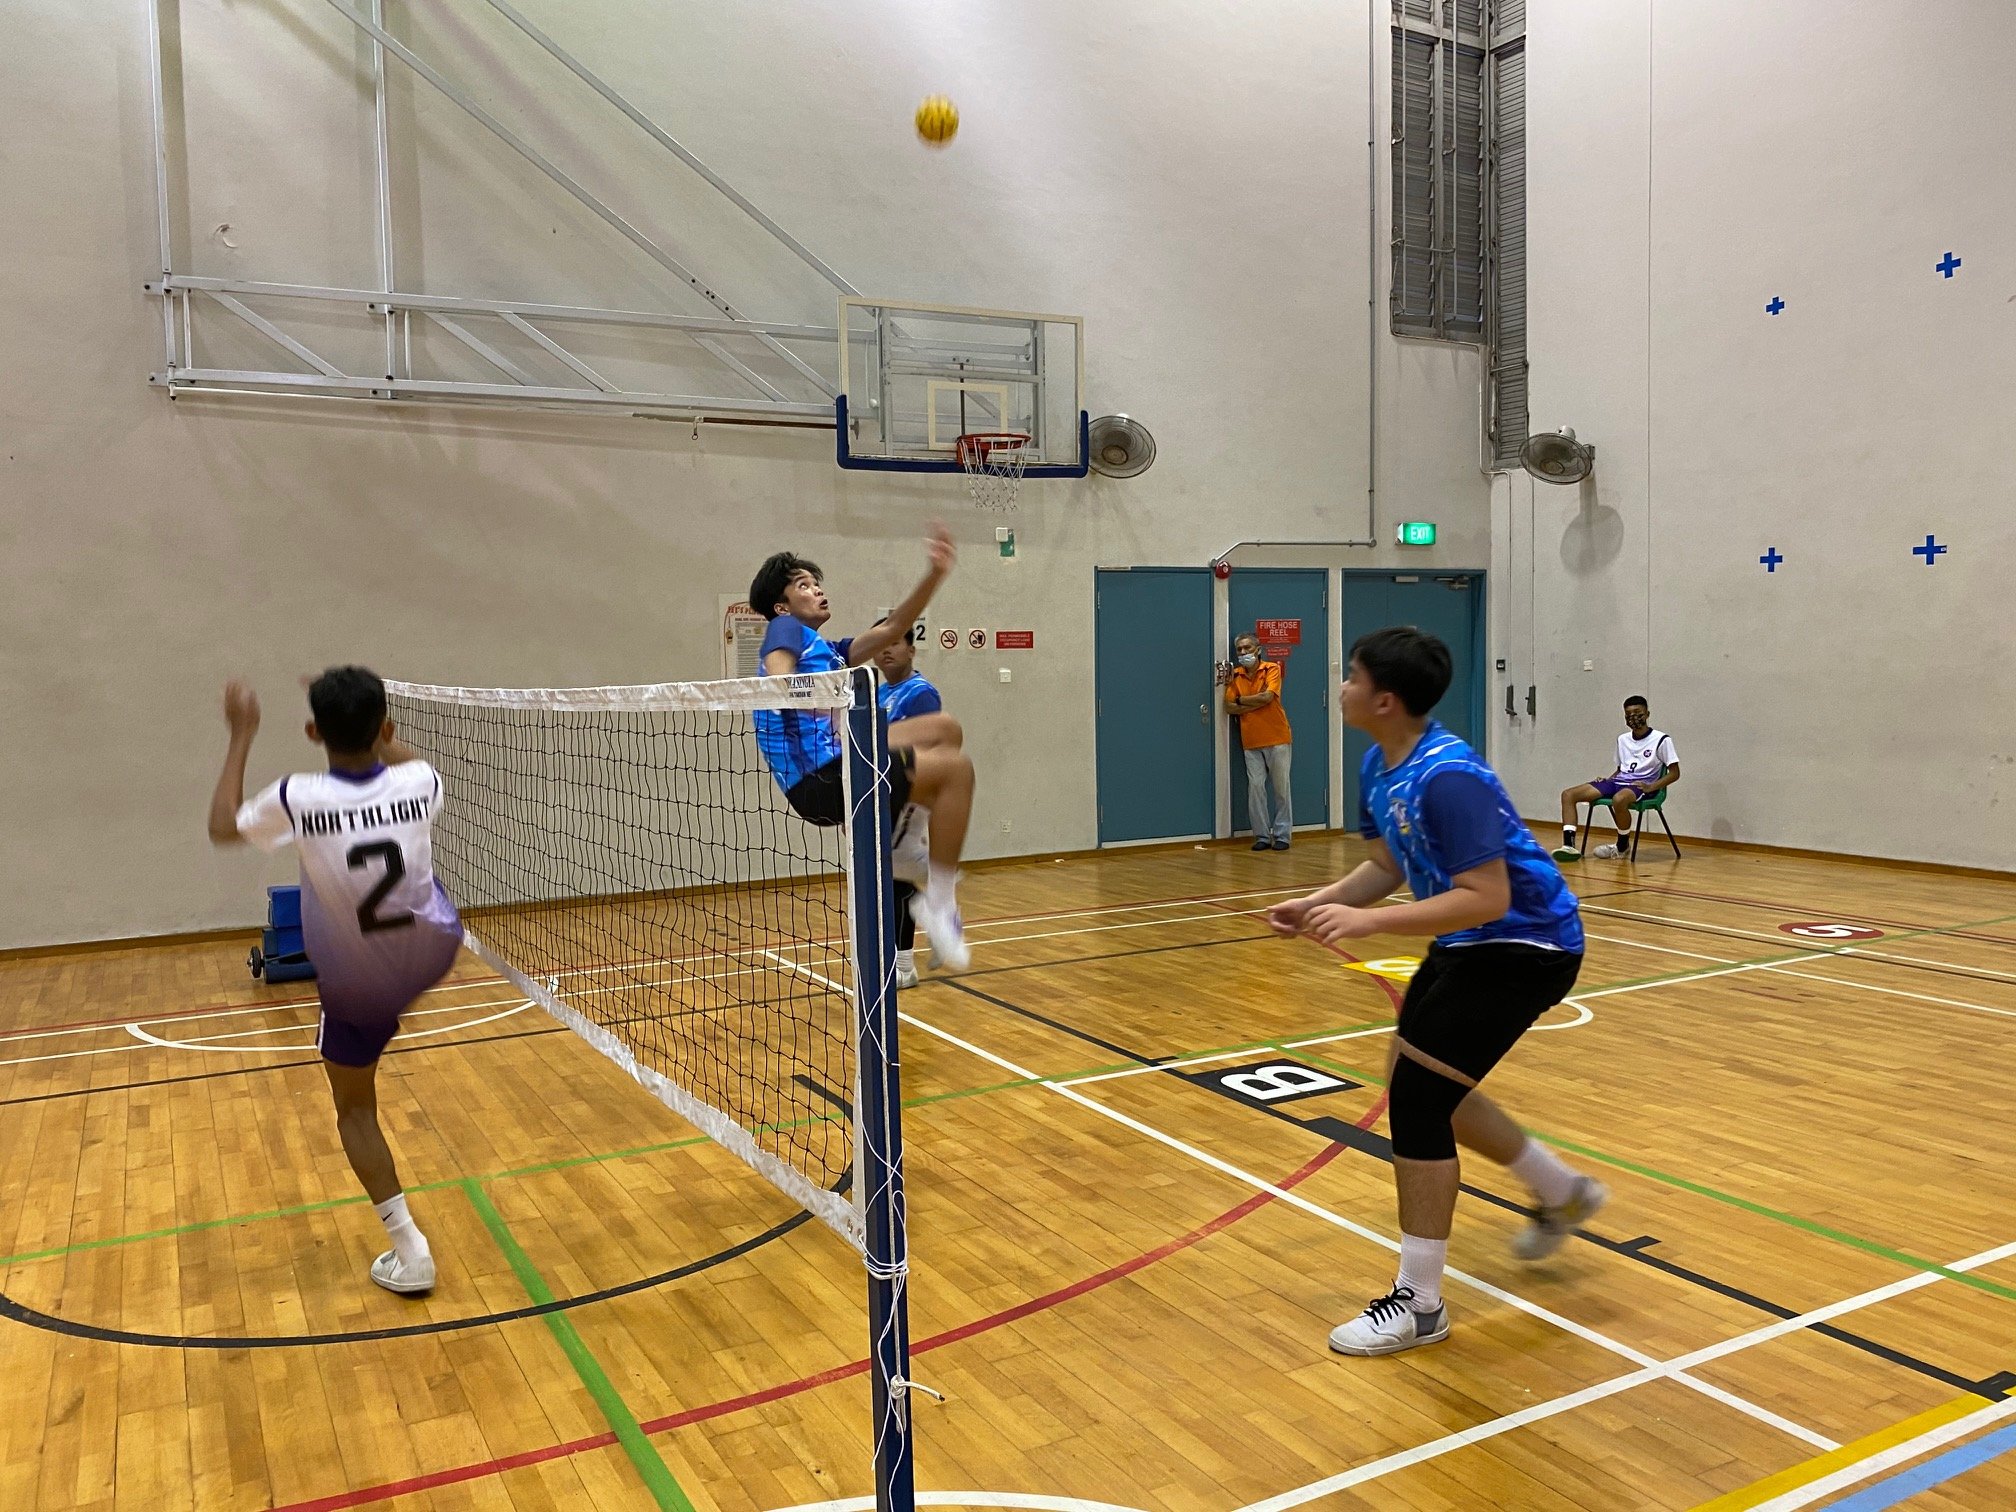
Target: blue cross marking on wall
x=1947 y=264
x=1771 y=559
x=1931 y=551
x=1775 y=306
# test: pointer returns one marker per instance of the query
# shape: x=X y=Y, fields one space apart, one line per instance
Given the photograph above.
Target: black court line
x=1367 y=1142
x=958 y=985
x=20 y=1312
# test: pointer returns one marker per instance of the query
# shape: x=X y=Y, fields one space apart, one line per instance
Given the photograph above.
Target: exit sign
x=1417 y=533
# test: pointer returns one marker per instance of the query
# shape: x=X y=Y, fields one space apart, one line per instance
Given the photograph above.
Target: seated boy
x=1647 y=762
x=803 y=749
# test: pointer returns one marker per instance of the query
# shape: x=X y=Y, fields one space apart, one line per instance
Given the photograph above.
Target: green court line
x=438 y=1186
x=655 y=1473
x=1729 y=1199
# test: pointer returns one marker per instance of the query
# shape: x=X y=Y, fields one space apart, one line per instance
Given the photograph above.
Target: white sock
x=906 y=960
x=940 y=888
x=407 y=1240
x=1541 y=1169
x=1421 y=1262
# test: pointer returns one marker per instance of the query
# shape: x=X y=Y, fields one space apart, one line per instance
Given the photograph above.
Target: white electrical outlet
x=1007 y=675
x=1588 y=666
x=1007 y=826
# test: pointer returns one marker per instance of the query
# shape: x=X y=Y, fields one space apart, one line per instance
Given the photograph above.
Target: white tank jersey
x=370 y=904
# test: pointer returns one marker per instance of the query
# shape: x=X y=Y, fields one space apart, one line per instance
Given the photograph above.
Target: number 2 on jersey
x=368 y=917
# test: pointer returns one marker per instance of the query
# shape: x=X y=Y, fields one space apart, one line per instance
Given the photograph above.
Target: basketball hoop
x=994 y=463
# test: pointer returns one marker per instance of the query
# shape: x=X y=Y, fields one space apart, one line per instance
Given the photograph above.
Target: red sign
x=1015 y=640
x=1828 y=931
x=1278 y=632
x=949 y=639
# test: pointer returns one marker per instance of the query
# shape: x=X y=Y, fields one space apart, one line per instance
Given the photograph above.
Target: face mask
x=1248 y=659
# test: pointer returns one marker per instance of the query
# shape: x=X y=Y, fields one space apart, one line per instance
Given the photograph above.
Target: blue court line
x=1953 y=1462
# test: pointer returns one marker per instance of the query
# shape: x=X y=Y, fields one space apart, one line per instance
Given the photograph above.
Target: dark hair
x=1638 y=699
x=774 y=576
x=1410 y=664
x=349 y=708
x=909 y=635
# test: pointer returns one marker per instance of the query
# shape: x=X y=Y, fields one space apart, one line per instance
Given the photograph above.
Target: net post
x=878 y=1097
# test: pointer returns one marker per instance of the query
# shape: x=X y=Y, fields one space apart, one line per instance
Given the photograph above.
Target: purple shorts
x=361 y=1013
x=1610 y=787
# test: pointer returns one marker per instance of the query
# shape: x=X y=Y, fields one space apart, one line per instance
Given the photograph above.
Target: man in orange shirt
x=1253 y=693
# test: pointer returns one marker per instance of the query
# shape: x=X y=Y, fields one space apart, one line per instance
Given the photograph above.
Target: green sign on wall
x=1417 y=533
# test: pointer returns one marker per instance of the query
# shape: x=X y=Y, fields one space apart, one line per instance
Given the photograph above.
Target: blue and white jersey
x=797 y=742
x=1442 y=811
x=375 y=919
x=909 y=698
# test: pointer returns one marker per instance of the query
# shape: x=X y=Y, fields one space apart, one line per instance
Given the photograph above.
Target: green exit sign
x=1417 y=533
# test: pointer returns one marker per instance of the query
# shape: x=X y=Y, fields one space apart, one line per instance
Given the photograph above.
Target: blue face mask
x=1248 y=659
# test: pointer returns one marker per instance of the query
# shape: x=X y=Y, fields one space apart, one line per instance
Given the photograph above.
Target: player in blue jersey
x=906 y=694
x=802 y=747
x=1507 y=947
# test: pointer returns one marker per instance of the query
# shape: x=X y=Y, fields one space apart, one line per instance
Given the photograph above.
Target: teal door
x=1449 y=605
x=1153 y=663
x=1292 y=608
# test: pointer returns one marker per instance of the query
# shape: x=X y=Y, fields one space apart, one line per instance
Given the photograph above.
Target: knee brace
x=1421 y=1110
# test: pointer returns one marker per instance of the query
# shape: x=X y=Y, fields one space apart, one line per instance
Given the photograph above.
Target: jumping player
x=378 y=926
x=906 y=694
x=802 y=747
x=1508 y=945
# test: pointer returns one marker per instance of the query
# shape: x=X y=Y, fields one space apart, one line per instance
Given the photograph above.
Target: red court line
x=768 y=1394
x=495 y=981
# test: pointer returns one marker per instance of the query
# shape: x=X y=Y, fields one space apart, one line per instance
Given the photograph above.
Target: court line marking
x=205 y=1044
x=1653 y=1367
x=1030 y=1500
x=1920 y=997
x=1748 y=1498
x=1805 y=1496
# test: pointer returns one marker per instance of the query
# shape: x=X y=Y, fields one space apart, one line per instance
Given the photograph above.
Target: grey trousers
x=1269 y=764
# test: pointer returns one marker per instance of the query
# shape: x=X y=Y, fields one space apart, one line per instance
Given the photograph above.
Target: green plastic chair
x=1656 y=806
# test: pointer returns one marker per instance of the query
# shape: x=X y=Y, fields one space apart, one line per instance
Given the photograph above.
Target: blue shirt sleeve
x=1367 y=830
x=1460 y=813
x=785 y=634
x=841 y=647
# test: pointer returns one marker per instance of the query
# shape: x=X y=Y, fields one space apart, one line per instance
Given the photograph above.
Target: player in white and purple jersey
x=378 y=926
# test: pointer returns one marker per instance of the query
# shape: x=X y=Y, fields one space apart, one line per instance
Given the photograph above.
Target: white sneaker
x=406 y=1279
x=1549 y=1228
x=906 y=976
x=1606 y=852
x=1390 y=1324
x=1568 y=853
x=947 y=933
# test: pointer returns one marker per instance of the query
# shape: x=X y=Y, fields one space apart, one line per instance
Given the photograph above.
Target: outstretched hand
x=939 y=550
x=241 y=709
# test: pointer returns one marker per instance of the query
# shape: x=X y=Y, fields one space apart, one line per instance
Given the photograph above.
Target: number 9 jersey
x=378 y=925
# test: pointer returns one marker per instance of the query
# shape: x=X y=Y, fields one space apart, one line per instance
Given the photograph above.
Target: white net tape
x=994 y=467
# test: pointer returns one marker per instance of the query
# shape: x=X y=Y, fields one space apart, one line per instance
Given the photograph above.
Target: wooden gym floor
x=1802 y=1294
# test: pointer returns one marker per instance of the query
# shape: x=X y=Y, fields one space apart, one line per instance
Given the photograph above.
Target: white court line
x=1844 y=950
x=215 y=1049
x=1662 y=949
x=1919 y=997
x=1030 y=1500
x=1897 y=1454
x=1673 y=1370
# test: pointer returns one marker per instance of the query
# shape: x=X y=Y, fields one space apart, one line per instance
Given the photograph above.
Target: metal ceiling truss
x=395 y=346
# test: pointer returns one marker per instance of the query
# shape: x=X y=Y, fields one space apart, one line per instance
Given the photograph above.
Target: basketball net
x=994 y=463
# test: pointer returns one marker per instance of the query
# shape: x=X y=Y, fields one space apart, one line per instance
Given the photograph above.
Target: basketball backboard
x=914 y=378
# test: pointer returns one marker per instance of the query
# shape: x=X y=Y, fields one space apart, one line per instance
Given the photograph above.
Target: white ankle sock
x=906 y=960
x=1421 y=1262
x=1541 y=1169
x=940 y=888
x=407 y=1240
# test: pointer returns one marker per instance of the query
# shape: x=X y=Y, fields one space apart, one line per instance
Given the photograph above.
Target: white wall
x=1686 y=164
x=1189 y=176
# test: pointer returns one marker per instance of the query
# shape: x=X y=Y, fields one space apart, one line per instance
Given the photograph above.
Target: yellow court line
x=1759 y=1492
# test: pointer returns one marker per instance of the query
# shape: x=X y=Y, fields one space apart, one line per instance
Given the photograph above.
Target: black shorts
x=1468 y=1004
x=821 y=797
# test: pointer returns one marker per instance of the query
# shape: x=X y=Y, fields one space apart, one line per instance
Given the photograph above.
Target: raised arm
x=939 y=554
x=241 y=713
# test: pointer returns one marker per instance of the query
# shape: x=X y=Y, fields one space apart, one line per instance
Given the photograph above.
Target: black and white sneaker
x=1390 y=1324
